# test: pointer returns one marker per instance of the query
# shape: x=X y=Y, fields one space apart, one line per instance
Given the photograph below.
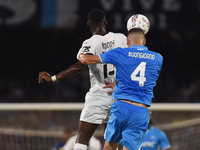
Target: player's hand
x=109 y=85
x=44 y=75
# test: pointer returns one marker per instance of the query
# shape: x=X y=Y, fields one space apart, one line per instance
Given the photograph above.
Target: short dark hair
x=135 y=30
x=96 y=16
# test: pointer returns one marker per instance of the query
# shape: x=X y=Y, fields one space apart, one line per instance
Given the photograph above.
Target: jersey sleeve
x=111 y=56
x=88 y=47
x=164 y=143
x=160 y=63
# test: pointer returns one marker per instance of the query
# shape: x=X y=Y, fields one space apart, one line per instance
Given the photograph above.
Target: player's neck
x=99 y=31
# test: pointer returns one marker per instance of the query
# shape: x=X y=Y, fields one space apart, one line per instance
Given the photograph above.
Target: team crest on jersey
x=153 y=137
x=86 y=48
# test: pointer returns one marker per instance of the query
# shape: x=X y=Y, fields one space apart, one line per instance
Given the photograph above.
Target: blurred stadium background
x=38 y=35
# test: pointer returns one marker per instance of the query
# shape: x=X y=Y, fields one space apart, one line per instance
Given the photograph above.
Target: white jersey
x=97 y=101
x=98 y=44
x=94 y=143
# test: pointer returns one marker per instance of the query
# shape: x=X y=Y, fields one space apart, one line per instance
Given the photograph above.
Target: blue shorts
x=127 y=125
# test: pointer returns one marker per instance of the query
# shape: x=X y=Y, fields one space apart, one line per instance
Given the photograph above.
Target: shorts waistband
x=134 y=103
x=136 y=106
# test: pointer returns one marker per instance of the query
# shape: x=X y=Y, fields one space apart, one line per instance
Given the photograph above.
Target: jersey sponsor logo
x=109 y=44
x=141 y=55
x=149 y=144
x=86 y=48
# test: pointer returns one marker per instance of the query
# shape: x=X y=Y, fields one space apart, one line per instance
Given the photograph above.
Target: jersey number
x=141 y=78
x=106 y=71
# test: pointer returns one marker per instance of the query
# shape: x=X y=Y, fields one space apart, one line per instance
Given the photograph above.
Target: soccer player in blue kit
x=137 y=70
x=155 y=138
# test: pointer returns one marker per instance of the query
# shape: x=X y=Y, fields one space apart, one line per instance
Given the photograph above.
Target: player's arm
x=69 y=72
x=89 y=59
x=109 y=85
x=164 y=143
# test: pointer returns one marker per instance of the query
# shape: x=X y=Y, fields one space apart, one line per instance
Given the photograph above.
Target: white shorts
x=97 y=106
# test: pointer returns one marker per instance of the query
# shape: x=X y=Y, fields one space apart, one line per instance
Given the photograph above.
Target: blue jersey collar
x=139 y=47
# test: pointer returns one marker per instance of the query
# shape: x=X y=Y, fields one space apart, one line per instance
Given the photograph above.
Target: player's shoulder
x=158 y=55
x=95 y=38
x=117 y=35
x=158 y=131
x=90 y=40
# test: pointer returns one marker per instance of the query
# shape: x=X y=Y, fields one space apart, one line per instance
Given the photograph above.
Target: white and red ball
x=138 y=21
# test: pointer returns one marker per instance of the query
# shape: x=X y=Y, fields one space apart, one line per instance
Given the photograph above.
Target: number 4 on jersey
x=141 y=78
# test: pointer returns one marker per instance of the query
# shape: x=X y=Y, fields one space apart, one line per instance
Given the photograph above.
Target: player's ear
x=88 y=24
x=127 y=41
x=144 y=42
x=106 y=22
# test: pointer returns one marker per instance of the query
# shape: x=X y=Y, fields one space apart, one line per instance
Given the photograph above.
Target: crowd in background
x=24 y=53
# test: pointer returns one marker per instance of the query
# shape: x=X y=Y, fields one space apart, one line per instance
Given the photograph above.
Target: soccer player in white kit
x=98 y=99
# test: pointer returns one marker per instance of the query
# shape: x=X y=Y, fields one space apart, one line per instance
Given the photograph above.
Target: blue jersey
x=137 y=72
x=154 y=139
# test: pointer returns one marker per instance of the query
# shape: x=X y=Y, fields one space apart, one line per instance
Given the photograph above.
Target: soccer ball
x=138 y=21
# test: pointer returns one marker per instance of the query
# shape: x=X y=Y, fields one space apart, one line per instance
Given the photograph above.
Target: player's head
x=135 y=36
x=66 y=134
x=96 y=17
x=151 y=119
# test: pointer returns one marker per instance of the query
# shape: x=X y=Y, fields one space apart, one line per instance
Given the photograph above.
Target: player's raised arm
x=69 y=72
x=89 y=59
